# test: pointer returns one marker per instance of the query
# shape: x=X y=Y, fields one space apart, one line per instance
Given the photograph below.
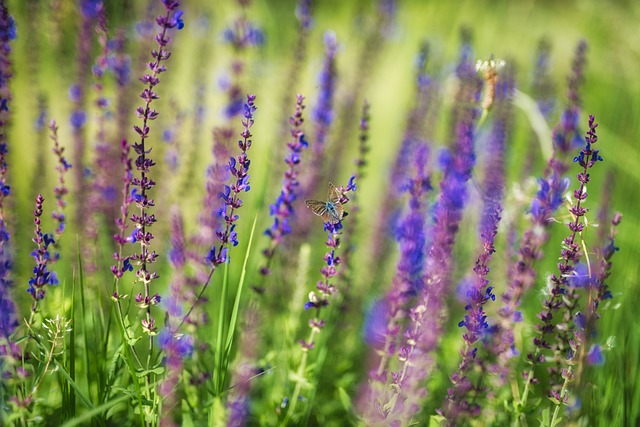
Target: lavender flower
x=77 y=94
x=461 y=397
x=553 y=186
x=323 y=112
x=7 y=34
x=414 y=134
x=406 y=284
x=143 y=164
x=282 y=209
x=562 y=298
x=102 y=197
x=239 y=168
x=60 y=190
x=326 y=288
x=123 y=263
x=230 y=196
x=425 y=317
x=8 y=320
x=41 y=274
x=361 y=164
x=175 y=345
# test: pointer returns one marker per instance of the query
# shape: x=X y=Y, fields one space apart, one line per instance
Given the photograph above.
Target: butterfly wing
x=333 y=195
x=317 y=207
x=336 y=213
x=335 y=208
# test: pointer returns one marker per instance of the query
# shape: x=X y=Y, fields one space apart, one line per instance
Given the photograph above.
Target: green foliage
x=95 y=373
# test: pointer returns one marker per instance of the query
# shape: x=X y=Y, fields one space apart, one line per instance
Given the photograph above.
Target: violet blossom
x=555 y=333
x=143 y=164
x=283 y=208
x=414 y=134
x=425 y=318
x=407 y=283
x=462 y=396
x=41 y=274
x=175 y=345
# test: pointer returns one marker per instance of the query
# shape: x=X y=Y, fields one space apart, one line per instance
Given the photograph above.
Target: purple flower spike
x=414 y=134
x=176 y=346
x=325 y=287
x=41 y=274
x=407 y=282
x=555 y=329
x=239 y=168
x=143 y=184
x=425 y=323
x=60 y=190
x=282 y=210
x=460 y=401
x=323 y=113
x=123 y=263
x=8 y=319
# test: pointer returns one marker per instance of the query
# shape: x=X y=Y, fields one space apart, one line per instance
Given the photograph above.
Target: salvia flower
x=123 y=263
x=103 y=195
x=283 y=208
x=323 y=113
x=8 y=320
x=425 y=319
x=244 y=371
x=550 y=196
x=414 y=134
x=7 y=34
x=407 y=283
x=77 y=93
x=361 y=165
x=239 y=168
x=243 y=33
x=555 y=329
x=303 y=14
x=41 y=274
x=176 y=346
x=461 y=397
x=143 y=163
x=60 y=190
x=325 y=287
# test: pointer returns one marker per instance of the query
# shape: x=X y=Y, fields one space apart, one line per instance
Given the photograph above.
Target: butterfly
x=331 y=210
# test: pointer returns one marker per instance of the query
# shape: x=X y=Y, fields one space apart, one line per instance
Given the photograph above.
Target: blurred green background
x=44 y=65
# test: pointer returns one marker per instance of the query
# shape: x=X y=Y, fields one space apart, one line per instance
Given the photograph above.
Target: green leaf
x=236 y=305
x=345 y=399
x=436 y=420
x=554 y=400
x=545 y=421
x=86 y=416
x=158 y=371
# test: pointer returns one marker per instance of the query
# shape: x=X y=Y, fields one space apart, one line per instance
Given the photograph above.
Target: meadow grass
x=451 y=275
